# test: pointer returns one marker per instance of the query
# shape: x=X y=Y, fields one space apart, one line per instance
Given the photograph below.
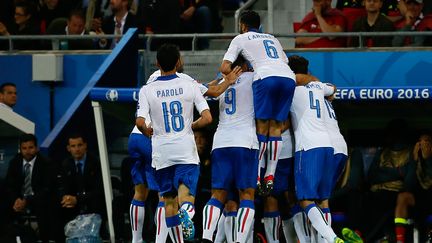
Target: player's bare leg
x=172 y=218
x=274 y=146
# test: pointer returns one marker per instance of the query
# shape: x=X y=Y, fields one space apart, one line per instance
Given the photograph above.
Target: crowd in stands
x=83 y=17
x=366 y=16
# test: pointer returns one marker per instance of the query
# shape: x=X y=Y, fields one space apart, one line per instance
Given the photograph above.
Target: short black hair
x=27 y=137
x=167 y=56
x=238 y=62
x=75 y=135
x=251 y=19
x=28 y=7
x=4 y=85
x=298 y=64
x=78 y=13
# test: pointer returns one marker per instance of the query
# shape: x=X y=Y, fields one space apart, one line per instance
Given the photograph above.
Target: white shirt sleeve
x=203 y=89
x=233 y=51
x=143 y=109
x=329 y=89
x=199 y=101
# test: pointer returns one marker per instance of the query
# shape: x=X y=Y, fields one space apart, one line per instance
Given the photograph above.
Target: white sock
x=244 y=219
x=327 y=216
x=136 y=213
x=261 y=155
x=272 y=222
x=302 y=227
x=289 y=231
x=249 y=238
x=161 y=227
x=174 y=228
x=230 y=227
x=211 y=213
x=319 y=223
x=190 y=209
x=274 y=148
x=220 y=233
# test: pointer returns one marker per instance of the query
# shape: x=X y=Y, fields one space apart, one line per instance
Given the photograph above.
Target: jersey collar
x=167 y=77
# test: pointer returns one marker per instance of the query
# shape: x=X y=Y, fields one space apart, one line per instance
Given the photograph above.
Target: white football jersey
x=157 y=74
x=236 y=126
x=307 y=116
x=263 y=51
x=287 y=150
x=170 y=101
x=336 y=138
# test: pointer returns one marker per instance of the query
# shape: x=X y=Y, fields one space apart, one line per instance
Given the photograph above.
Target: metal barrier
x=194 y=37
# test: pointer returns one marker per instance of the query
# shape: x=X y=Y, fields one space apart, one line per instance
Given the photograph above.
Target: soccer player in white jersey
x=234 y=157
x=139 y=147
x=314 y=152
x=273 y=86
x=169 y=101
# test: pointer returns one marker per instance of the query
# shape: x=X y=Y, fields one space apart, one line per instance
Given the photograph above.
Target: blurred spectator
x=80 y=182
x=8 y=95
x=25 y=24
x=29 y=184
x=389 y=174
x=117 y=24
x=195 y=17
x=50 y=10
x=413 y=18
x=74 y=25
x=352 y=9
x=392 y=10
x=373 y=22
x=322 y=19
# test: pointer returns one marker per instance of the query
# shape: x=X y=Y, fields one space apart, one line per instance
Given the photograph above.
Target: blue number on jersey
x=330 y=110
x=314 y=104
x=177 y=121
x=270 y=49
x=230 y=99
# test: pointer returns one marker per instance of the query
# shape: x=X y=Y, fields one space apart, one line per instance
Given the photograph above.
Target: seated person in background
x=29 y=184
x=8 y=95
x=393 y=10
x=75 y=25
x=196 y=17
x=373 y=22
x=412 y=20
x=389 y=175
x=322 y=19
x=80 y=182
x=50 y=10
x=352 y=9
x=420 y=194
x=25 y=24
x=118 y=23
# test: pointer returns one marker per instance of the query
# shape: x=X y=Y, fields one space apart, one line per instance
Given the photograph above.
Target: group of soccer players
x=252 y=146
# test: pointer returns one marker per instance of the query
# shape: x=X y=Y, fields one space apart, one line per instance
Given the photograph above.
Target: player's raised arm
x=218 y=89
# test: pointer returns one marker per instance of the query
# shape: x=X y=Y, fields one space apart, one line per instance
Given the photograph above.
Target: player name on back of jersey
x=313 y=85
x=169 y=92
x=259 y=36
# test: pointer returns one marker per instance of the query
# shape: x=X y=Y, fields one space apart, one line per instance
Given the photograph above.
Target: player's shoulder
x=247 y=75
x=153 y=76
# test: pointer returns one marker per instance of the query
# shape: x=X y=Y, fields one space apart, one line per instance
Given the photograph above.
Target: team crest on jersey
x=112 y=95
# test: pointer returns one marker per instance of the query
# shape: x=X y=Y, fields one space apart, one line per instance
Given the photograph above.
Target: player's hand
x=233 y=75
x=148 y=130
x=69 y=201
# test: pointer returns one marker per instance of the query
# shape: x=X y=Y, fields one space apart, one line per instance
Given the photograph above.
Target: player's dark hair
x=238 y=62
x=167 y=56
x=27 y=137
x=251 y=19
x=298 y=64
x=4 y=85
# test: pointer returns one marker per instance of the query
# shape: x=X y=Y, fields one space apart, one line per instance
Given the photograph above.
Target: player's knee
x=247 y=194
x=219 y=195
